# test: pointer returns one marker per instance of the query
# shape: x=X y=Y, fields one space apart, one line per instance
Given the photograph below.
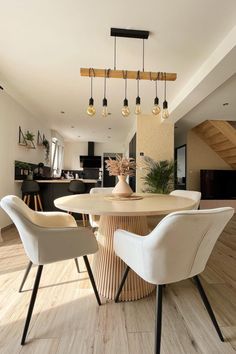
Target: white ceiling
x=44 y=43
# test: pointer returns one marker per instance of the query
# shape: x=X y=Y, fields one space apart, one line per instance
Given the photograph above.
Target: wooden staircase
x=220 y=135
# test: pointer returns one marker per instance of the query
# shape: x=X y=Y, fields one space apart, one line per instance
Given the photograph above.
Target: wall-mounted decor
x=42 y=141
x=26 y=139
x=39 y=139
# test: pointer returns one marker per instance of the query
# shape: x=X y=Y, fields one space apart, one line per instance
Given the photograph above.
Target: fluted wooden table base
x=108 y=268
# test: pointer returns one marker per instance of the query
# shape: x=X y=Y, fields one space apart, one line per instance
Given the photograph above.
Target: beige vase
x=122 y=189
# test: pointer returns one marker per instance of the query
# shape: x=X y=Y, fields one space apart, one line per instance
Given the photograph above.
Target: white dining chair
x=94 y=219
x=177 y=249
x=44 y=243
x=194 y=195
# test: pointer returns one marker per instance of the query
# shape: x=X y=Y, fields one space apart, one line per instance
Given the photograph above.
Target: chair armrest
x=57 y=244
x=129 y=247
x=54 y=219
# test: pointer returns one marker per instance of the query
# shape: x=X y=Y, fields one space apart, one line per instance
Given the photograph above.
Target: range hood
x=90 y=148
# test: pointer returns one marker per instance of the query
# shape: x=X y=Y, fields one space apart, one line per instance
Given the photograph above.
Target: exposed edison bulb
x=165 y=112
x=156 y=108
x=104 y=107
x=138 y=106
x=125 y=109
x=91 y=110
x=104 y=111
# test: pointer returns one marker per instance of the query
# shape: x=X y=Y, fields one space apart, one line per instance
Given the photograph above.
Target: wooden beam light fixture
x=130 y=74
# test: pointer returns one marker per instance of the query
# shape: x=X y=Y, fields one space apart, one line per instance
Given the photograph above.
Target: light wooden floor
x=67 y=320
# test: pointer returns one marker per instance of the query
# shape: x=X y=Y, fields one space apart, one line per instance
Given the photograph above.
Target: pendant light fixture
x=91 y=110
x=156 y=108
x=129 y=75
x=165 y=112
x=104 y=101
x=138 y=99
x=125 y=110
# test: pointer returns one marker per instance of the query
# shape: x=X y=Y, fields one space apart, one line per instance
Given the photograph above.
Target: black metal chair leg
x=90 y=273
x=208 y=307
x=158 y=319
x=32 y=302
x=77 y=265
x=25 y=275
x=122 y=283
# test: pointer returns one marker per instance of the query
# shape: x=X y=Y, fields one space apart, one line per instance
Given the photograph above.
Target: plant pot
x=122 y=189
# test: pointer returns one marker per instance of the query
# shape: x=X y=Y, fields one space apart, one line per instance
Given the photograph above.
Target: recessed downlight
x=62 y=112
x=72 y=126
x=225 y=103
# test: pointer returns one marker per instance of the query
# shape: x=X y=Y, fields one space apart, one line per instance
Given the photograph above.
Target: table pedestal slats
x=108 y=268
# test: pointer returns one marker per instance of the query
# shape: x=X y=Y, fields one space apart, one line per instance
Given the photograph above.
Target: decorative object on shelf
x=29 y=137
x=21 y=139
x=46 y=145
x=159 y=176
x=26 y=139
x=91 y=110
x=125 y=110
x=138 y=75
x=121 y=167
x=39 y=139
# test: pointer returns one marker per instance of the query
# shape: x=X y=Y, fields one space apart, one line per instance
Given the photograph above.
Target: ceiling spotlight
x=62 y=112
x=226 y=104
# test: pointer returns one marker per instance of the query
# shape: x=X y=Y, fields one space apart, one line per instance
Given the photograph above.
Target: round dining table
x=121 y=213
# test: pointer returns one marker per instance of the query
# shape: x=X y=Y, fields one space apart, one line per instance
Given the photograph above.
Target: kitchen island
x=51 y=189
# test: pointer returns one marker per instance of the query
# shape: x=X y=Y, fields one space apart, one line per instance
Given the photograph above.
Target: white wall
x=13 y=115
x=74 y=149
x=200 y=157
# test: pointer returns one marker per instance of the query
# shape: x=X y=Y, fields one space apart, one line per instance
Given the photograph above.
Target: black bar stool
x=31 y=189
x=78 y=187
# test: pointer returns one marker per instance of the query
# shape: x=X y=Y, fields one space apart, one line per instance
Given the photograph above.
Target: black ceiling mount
x=129 y=33
x=1 y=88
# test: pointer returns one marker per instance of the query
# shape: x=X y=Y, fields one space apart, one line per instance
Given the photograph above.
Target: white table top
x=98 y=204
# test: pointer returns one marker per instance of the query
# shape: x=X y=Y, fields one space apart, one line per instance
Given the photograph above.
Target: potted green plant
x=46 y=145
x=29 y=138
x=159 y=176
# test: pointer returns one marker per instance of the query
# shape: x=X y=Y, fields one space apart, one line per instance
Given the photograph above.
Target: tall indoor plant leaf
x=159 y=176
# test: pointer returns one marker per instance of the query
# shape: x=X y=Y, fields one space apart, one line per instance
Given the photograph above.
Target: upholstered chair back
x=194 y=195
x=48 y=236
x=180 y=245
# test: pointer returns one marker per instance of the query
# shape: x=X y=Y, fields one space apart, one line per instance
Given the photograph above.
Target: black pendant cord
x=125 y=77
x=114 y=53
x=165 y=87
x=138 y=78
x=91 y=78
x=143 y=54
x=91 y=87
x=105 y=83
